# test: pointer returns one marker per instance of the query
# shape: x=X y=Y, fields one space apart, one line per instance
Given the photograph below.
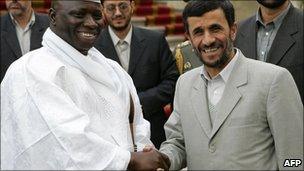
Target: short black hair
x=196 y=8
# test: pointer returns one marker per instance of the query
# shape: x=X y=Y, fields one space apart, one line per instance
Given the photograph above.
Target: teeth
x=87 y=34
x=210 y=50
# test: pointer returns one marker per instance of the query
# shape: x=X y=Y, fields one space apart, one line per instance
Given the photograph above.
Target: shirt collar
x=116 y=39
x=225 y=73
x=277 y=21
x=30 y=23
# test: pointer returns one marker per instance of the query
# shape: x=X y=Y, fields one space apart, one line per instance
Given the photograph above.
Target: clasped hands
x=149 y=159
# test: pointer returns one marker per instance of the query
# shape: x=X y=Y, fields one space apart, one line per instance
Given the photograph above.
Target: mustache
x=215 y=44
x=118 y=17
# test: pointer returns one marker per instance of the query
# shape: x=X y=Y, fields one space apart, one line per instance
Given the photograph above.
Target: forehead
x=216 y=16
x=106 y=2
x=21 y=1
x=76 y=4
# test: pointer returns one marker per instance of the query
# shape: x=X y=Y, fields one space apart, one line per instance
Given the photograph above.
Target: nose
x=117 y=11
x=208 y=39
x=90 y=22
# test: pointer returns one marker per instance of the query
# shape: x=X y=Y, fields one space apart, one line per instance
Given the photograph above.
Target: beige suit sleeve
x=285 y=119
x=174 y=146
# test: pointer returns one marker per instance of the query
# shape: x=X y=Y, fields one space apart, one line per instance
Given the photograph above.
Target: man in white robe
x=66 y=106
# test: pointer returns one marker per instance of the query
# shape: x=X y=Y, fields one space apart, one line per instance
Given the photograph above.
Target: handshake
x=149 y=159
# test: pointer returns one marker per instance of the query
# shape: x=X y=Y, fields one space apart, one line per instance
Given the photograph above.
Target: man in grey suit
x=21 y=31
x=275 y=35
x=146 y=56
x=233 y=112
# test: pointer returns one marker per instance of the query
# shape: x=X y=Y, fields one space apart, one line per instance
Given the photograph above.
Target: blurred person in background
x=146 y=56
x=275 y=35
x=186 y=58
x=21 y=31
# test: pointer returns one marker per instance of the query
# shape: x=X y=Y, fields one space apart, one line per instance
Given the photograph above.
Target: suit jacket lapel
x=250 y=35
x=231 y=94
x=200 y=105
x=37 y=33
x=11 y=37
x=138 y=46
x=284 y=39
x=107 y=46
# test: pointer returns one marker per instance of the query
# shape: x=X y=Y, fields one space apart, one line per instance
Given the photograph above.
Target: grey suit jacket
x=10 y=48
x=287 y=48
x=259 y=122
x=154 y=73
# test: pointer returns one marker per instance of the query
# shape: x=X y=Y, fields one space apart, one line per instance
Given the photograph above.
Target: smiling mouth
x=210 y=50
x=87 y=35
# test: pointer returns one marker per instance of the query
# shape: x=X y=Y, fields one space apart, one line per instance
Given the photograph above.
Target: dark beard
x=272 y=5
x=119 y=28
x=222 y=61
x=122 y=28
x=217 y=64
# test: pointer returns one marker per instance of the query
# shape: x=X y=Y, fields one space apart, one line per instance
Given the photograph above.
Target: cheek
x=102 y=24
x=23 y=5
x=128 y=15
x=107 y=17
x=196 y=41
x=223 y=39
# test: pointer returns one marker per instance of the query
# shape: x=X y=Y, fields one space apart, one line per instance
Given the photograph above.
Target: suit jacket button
x=212 y=149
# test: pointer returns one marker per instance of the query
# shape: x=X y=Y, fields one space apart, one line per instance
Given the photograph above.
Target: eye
x=197 y=31
x=97 y=15
x=123 y=6
x=78 y=14
x=110 y=8
x=215 y=28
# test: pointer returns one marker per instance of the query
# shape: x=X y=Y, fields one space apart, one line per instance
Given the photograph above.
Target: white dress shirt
x=216 y=85
x=24 y=35
x=122 y=47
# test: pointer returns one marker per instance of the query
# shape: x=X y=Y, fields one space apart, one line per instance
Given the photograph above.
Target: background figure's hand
x=149 y=160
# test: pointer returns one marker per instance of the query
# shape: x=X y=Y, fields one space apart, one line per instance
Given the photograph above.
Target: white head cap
x=97 y=1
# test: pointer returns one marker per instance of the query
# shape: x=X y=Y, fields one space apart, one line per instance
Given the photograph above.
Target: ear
x=132 y=7
x=187 y=35
x=52 y=16
x=233 y=31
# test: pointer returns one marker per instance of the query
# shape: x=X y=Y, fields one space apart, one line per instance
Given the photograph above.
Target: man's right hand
x=148 y=160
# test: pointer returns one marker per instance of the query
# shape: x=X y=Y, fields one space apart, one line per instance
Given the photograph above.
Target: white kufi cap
x=97 y=1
